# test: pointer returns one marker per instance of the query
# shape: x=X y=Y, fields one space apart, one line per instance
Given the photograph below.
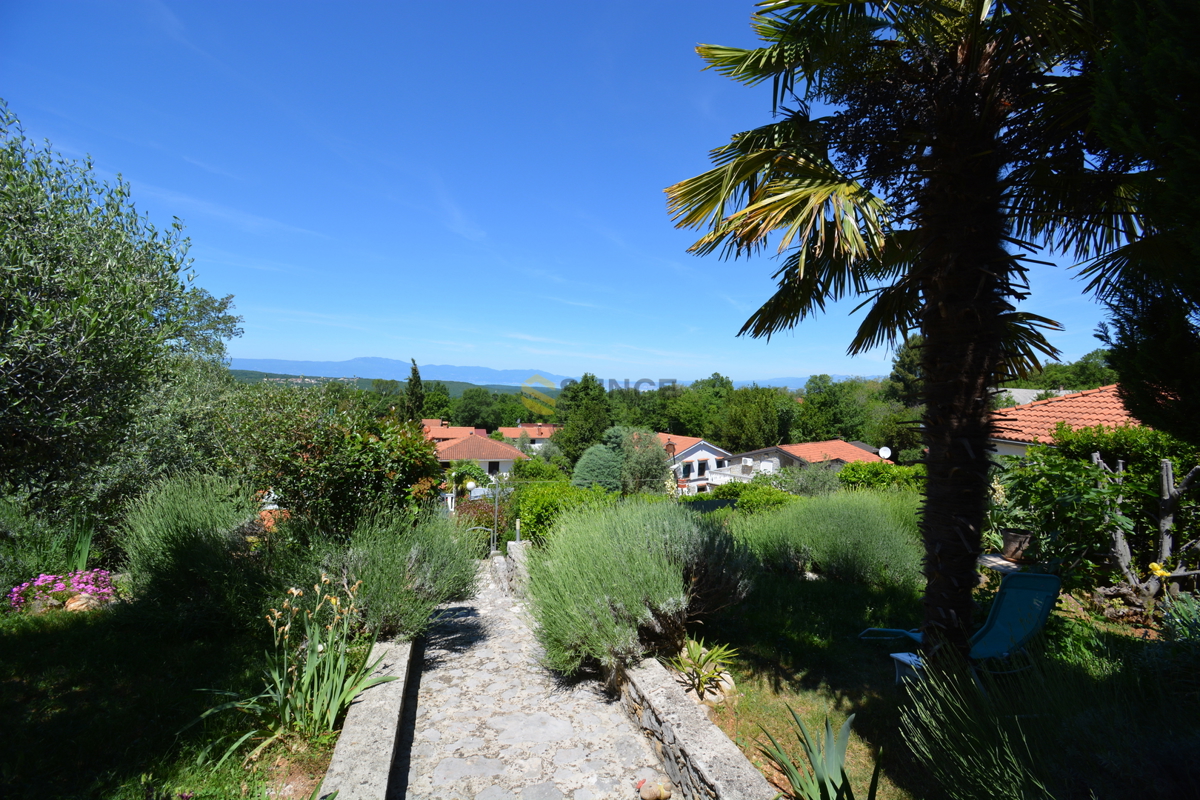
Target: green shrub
x=810 y=481
x=539 y=504
x=186 y=557
x=757 y=499
x=612 y=582
x=726 y=491
x=483 y=512
x=880 y=476
x=1072 y=507
x=598 y=466
x=535 y=469
x=865 y=537
x=29 y=545
x=408 y=567
x=325 y=454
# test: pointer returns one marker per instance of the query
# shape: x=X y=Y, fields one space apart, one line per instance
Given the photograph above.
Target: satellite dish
x=885 y=452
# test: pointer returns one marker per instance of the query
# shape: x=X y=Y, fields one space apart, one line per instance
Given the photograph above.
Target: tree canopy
x=93 y=300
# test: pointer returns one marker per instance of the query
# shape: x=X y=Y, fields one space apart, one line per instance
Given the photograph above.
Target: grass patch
x=798 y=645
x=92 y=704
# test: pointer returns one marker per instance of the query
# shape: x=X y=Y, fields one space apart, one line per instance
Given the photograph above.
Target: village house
x=832 y=454
x=692 y=459
x=1019 y=427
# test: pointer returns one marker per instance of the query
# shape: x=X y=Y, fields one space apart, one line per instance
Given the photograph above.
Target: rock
x=44 y=604
x=657 y=788
x=83 y=602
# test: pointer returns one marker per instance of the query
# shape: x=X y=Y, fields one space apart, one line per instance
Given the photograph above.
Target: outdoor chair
x=1019 y=611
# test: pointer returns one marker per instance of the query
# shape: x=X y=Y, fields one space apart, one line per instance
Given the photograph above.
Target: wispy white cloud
x=454 y=218
x=738 y=305
x=663 y=353
x=252 y=223
x=577 y=303
x=305 y=317
x=213 y=255
x=526 y=337
x=212 y=169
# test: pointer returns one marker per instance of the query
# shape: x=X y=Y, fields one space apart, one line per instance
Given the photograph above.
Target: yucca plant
x=827 y=779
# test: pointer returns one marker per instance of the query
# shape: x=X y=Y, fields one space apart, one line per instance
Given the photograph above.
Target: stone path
x=492 y=724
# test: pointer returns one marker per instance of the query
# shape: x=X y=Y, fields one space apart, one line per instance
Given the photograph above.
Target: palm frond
x=789 y=187
x=1146 y=265
x=809 y=277
x=1078 y=211
x=1023 y=341
x=802 y=39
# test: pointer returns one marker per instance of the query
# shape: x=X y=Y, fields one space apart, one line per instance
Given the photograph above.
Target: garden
x=772 y=591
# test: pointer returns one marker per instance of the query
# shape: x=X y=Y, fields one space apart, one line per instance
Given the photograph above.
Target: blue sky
x=469 y=183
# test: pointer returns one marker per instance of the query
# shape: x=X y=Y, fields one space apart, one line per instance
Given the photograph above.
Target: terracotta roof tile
x=439 y=433
x=832 y=450
x=682 y=443
x=477 y=448
x=533 y=431
x=1079 y=410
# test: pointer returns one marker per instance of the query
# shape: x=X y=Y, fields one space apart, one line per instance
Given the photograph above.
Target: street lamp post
x=495 y=506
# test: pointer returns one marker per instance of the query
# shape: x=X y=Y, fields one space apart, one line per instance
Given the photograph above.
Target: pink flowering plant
x=96 y=582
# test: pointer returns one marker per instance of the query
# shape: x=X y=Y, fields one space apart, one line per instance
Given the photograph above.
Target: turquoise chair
x=1019 y=611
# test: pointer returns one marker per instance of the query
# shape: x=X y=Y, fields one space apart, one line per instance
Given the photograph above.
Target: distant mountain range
x=392 y=369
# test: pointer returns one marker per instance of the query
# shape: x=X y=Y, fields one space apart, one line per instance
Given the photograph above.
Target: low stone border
x=512 y=571
x=698 y=757
x=362 y=759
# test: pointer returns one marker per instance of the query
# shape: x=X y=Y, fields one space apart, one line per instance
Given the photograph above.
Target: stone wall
x=697 y=756
x=512 y=572
x=362 y=758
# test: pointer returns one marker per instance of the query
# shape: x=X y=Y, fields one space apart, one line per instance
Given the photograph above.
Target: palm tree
x=954 y=147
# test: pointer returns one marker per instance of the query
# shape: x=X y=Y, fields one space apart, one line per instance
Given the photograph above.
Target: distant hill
x=499 y=380
x=456 y=387
x=392 y=369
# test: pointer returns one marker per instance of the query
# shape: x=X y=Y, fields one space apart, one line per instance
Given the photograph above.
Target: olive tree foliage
x=92 y=304
x=644 y=462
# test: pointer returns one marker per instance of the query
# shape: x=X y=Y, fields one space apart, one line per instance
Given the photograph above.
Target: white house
x=832 y=454
x=692 y=459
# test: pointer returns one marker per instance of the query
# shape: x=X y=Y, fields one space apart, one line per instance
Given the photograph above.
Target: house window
x=687 y=469
x=493 y=467
x=701 y=468
x=445 y=464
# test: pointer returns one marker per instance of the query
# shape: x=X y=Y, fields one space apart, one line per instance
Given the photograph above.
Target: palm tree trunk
x=965 y=287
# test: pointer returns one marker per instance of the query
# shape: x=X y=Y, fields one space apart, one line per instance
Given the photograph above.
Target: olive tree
x=93 y=298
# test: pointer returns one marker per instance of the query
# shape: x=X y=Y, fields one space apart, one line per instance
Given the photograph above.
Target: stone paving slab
x=492 y=724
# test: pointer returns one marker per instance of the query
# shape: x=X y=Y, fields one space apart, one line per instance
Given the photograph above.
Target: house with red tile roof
x=692 y=460
x=833 y=454
x=439 y=430
x=495 y=458
x=1021 y=426
x=538 y=432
